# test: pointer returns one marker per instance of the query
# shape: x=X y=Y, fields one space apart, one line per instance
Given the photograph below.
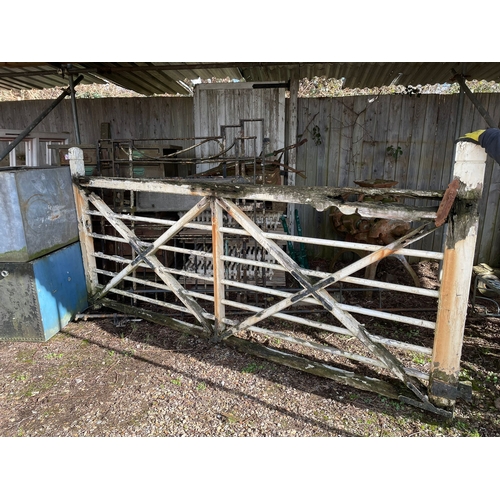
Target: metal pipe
x=461 y=81
x=73 y=107
x=30 y=127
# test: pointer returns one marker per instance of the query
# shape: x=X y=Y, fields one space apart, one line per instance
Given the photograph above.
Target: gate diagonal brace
x=317 y=290
x=148 y=256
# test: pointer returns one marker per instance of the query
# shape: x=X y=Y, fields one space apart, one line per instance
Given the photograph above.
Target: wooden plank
x=380 y=133
x=308 y=110
x=393 y=138
x=320 y=198
x=441 y=172
x=292 y=121
x=218 y=266
x=414 y=152
x=347 y=117
x=369 y=145
x=404 y=138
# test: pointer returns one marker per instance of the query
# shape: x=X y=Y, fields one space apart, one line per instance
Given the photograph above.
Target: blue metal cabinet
x=40 y=297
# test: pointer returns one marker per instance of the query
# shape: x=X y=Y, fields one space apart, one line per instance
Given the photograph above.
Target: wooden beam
x=218 y=266
x=321 y=198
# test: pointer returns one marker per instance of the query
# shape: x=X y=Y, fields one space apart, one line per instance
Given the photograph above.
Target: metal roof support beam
x=40 y=118
x=73 y=107
x=461 y=81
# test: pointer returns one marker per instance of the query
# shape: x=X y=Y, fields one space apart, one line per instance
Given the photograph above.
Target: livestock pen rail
x=201 y=268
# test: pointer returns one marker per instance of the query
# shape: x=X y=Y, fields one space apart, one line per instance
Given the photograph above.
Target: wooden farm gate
x=221 y=272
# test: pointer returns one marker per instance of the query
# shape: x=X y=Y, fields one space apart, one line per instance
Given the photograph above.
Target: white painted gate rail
x=202 y=284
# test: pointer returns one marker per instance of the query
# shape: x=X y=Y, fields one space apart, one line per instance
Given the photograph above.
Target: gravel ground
x=98 y=379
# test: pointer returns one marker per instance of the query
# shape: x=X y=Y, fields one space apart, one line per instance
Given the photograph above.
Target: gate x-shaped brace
x=145 y=253
x=318 y=291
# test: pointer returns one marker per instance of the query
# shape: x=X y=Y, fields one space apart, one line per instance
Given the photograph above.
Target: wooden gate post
x=77 y=169
x=458 y=260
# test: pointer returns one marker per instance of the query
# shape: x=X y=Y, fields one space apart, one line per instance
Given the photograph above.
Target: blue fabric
x=490 y=141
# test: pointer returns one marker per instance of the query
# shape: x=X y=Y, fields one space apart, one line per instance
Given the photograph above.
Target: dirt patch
x=110 y=377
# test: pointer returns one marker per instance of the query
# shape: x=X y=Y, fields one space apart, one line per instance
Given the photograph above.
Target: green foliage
x=252 y=368
x=394 y=152
x=492 y=377
x=26 y=356
x=53 y=355
x=316 y=135
x=420 y=359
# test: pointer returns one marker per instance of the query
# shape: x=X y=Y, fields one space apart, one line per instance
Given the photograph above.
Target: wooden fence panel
x=354 y=133
x=425 y=128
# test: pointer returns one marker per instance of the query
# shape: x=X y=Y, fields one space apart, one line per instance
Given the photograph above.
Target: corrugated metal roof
x=150 y=78
x=376 y=74
x=21 y=76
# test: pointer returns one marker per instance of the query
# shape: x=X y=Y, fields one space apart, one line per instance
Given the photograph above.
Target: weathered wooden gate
x=202 y=267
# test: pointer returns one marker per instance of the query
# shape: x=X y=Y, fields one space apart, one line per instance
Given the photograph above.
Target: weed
x=419 y=359
x=316 y=135
x=26 y=356
x=176 y=381
x=21 y=377
x=394 y=152
x=252 y=368
x=231 y=418
x=321 y=415
x=465 y=375
x=492 y=377
x=392 y=402
x=52 y=355
x=466 y=429
x=201 y=386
